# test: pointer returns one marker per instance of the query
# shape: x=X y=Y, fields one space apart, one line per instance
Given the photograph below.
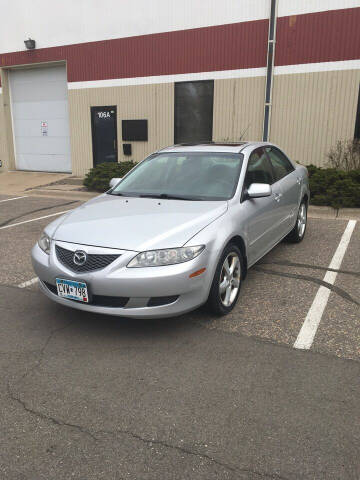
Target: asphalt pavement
x=88 y=397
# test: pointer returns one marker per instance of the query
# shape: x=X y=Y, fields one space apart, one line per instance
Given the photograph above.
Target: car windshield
x=184 y=176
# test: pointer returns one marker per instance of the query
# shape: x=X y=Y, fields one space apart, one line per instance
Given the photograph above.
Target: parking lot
x=94 y=397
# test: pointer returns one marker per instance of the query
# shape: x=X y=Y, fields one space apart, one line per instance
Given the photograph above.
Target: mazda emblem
x=79 y=258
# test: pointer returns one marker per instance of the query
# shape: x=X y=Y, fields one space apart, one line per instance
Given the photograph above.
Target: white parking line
x=28 y=283
x=34 y=219
x=15 y=198
x=309 y=328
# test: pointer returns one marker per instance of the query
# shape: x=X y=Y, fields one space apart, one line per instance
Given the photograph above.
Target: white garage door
x=40 y=119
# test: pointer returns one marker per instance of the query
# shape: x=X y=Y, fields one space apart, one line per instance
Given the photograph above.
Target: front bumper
x=139 y=285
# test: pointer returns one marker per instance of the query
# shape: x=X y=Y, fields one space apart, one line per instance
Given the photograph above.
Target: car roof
x=224 y=147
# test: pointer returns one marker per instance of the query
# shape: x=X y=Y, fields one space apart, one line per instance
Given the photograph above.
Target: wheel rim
x=301 y=220
x=229 y=282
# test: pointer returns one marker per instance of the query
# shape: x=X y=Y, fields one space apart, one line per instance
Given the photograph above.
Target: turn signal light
x=197 y=273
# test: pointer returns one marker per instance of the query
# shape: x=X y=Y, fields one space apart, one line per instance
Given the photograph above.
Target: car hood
x=137 y=223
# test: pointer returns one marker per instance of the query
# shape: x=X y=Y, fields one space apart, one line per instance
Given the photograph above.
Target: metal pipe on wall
x=270 y=70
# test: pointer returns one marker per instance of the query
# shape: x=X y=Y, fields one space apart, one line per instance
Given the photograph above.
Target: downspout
x=269 y=70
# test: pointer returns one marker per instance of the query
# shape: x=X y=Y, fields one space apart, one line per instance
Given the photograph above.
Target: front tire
x=298 y=232
x=225 y=288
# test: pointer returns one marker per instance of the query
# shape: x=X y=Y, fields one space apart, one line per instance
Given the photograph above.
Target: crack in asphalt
x=342 y=293
x=148 y=442
x=167 y=445
x=41 y=351
x=189 y=451
x=9 y=220
x=53 y=420
x=37 y=364
x=94 y=436
x=17 y=352
x=306 y=265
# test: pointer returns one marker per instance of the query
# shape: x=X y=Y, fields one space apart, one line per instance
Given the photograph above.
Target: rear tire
x=225 y=287
x=297 y=234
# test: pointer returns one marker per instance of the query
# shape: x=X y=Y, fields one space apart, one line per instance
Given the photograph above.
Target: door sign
x=44 y=129
x=105 y=114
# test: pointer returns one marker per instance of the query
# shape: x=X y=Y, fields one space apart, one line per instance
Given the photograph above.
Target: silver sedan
x=178 y=231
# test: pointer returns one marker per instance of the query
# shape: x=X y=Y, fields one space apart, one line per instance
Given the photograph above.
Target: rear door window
x=280 y=163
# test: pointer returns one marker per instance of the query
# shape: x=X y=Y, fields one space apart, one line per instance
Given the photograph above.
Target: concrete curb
x=329 y=212
x=349 y=213
x=73 y=194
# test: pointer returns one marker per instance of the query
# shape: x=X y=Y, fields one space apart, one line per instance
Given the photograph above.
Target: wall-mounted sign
x=44 y=129
x=106 y=114
x=135 y=130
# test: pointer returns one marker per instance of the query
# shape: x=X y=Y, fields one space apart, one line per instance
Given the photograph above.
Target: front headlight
x=44 y=243
x=171 y=256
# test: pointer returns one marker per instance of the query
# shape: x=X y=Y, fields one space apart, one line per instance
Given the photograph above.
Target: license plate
x=73 y=290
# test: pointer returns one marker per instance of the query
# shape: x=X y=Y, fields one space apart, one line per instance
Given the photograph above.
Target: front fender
x=219 y=233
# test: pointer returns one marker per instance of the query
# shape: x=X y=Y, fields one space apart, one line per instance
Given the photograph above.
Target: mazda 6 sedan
x=178 y=231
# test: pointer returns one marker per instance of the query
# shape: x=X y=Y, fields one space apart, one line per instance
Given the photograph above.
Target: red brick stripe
x=315 y=37
x=318 y=37
x=223 y=47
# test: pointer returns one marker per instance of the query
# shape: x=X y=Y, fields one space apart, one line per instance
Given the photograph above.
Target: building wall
x=312 y=111
x=3 y=142
x=133 y=56
x=6 y=131
x=238 y=109
x=154 y=102
x=73 y=22
x=238 y=112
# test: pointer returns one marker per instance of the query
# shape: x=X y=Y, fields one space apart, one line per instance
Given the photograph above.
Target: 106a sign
x=104 y=114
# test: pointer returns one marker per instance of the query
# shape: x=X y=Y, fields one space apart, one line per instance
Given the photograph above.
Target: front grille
x=98 y=300
x=93 y=261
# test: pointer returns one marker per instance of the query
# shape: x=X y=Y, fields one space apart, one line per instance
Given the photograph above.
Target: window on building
x=193 y=111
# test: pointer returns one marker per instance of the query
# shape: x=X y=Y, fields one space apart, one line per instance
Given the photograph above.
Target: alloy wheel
x=229 y=283
x=301 y=220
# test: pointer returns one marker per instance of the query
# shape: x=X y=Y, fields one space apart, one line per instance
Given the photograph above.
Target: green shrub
x=98 y=178
x=335 y=188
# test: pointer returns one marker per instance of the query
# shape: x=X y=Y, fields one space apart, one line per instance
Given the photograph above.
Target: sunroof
x=230 y=144
x=221 y=144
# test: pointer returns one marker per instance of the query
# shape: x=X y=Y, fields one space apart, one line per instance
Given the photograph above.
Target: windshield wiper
x=123 y=194
x=167 y=196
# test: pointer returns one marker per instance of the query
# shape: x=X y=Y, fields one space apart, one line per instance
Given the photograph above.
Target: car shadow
x=108 y=325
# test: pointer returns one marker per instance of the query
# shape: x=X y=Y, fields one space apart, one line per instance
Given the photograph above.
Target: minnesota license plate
x=73 y=290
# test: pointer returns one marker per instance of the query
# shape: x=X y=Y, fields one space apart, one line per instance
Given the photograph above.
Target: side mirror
x=258 y=190
x=114 y=181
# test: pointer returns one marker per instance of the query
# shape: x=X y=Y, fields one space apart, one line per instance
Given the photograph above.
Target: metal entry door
x=104 y=134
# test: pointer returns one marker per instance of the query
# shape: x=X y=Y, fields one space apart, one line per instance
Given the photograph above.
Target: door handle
x=298 y=180
x=277 y=196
